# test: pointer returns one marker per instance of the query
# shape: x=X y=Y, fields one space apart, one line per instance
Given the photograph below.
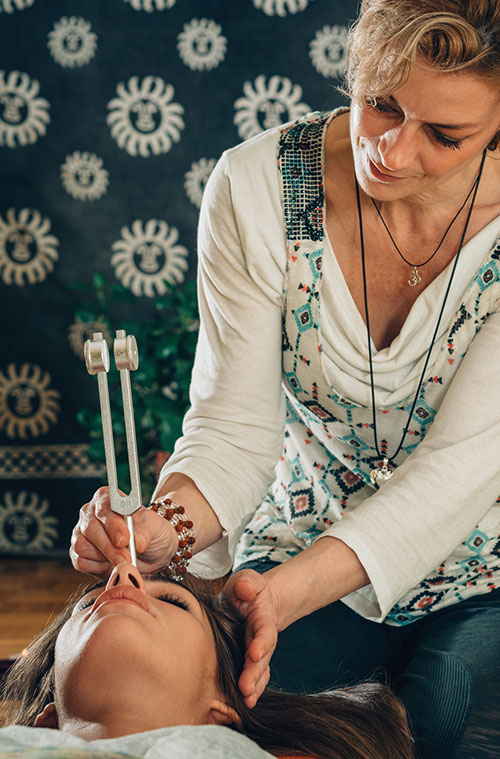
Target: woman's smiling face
x=426 y=135
x=134 y=639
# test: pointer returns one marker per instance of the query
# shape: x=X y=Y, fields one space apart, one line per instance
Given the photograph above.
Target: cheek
x=190 y=663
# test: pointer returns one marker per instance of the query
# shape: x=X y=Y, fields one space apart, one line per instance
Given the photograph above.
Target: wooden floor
x=32 y=591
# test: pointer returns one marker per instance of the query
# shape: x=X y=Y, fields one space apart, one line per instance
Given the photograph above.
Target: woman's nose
x=397 y=148
x=125 y=574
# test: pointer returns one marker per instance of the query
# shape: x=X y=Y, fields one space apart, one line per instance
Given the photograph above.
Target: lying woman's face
x=137 y=646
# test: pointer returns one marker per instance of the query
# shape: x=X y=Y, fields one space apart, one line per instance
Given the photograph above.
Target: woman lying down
x=134 y=658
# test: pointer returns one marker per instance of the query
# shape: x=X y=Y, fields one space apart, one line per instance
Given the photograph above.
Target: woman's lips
x=122 y=593
x=380 y=176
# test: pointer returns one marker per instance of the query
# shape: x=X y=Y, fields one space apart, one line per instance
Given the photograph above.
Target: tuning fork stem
x=127 y=360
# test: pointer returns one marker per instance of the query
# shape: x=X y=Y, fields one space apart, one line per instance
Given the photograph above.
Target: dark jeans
x=445 y=668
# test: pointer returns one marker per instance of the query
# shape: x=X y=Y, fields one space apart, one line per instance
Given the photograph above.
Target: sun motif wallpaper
x=113 y=114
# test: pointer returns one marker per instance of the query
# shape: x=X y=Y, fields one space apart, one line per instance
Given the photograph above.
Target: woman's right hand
x=100 y=538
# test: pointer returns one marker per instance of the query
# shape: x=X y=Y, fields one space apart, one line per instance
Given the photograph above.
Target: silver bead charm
x=381 y=474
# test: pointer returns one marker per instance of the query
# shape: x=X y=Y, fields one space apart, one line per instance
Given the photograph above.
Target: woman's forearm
x=316 y=577
x=181 y=488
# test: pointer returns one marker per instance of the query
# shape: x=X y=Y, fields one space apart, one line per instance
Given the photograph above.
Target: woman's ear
x=48 y=717
x=222 y=714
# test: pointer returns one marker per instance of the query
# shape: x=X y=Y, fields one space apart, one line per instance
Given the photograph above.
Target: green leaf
x=99 y=281
x=87 y=315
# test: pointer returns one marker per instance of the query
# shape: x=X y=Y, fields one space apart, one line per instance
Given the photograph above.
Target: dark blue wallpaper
x=112 y=115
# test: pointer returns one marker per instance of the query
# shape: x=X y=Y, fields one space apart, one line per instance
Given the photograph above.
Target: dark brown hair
x=365 y=721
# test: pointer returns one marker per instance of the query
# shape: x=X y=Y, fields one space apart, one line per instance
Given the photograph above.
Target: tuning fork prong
x=127 y=359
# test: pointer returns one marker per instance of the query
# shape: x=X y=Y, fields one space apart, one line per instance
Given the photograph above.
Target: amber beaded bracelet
x=176 y=515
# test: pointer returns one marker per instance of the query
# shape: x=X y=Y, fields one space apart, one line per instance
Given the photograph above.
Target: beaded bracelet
x=176 y=515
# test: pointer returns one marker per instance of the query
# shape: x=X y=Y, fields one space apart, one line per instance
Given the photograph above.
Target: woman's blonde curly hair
x=450 y=35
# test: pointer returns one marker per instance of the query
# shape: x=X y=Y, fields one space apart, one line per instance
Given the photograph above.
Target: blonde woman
x=342 y=448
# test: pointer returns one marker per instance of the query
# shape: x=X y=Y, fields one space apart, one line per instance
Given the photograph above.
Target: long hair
x=450 y=35
x=365 y=721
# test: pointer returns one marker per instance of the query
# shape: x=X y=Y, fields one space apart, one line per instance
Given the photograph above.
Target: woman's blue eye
x=173 y=600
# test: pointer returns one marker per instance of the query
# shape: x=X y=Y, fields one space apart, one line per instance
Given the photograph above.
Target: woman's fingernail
x=117 y=539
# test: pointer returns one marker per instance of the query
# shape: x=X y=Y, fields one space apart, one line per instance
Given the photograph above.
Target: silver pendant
x=381 y=474
x=415 y=277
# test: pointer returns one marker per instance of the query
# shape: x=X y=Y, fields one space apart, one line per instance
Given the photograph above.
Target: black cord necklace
x=382 y=473
x=415 y=274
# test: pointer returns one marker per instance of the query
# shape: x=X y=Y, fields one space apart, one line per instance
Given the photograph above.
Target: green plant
x=166 y=334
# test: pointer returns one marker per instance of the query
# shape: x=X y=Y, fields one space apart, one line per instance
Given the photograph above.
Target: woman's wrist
x=320 y=575
x=185 y=537
x=181 y=489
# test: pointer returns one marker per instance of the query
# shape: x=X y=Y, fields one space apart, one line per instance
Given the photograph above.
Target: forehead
x=448 y=94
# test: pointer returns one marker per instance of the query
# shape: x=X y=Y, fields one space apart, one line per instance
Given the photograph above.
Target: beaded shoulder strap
x=300 y=163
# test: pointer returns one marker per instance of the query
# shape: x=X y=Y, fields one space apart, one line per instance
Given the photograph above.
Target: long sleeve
x=233 y=432
x=438 y=495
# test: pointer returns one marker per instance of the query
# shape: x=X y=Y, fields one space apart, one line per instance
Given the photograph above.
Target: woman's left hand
x=252 y=595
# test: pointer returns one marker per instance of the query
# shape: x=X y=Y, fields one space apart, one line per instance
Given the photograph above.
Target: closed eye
x=169 y=599
x=85 y=604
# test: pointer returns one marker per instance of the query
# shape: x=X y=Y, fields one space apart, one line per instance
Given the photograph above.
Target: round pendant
x=381 y=474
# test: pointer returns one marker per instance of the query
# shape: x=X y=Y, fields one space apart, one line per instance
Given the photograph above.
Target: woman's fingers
x=113 y=524
x=94 y=553
x=260 y=686
x=250 y=593
x=253 y=679
x=100 y=539
x=243 y=587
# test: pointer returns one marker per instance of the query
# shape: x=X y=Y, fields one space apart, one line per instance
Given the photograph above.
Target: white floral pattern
x=10 y=6
x=72 y=43
x=201 y=44
x=27 y=405
x=143 y=119
x=328 y=51
x=27 y=251
x=83 y=176
x=196 y=178
x=151 y=5
x=146 y=255
x=280 y=7
x=25 y=523
x=267 y=105
x=23 y=115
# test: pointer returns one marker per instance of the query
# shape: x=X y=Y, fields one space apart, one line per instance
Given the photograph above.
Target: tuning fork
x=97 y=361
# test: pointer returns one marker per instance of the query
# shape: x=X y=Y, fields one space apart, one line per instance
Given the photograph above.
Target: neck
x=114 y=728
x=120 y=720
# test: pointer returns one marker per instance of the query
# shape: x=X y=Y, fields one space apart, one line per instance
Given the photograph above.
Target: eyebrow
x=452 y=127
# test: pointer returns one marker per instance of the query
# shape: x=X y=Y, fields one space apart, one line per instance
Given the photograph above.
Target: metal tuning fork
x=127 y=360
